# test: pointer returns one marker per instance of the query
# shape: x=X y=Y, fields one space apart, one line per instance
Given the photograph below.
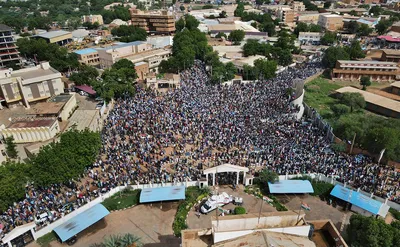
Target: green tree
x=380 y=138
x=354 y=100
x=285 y=57
x=285 y=41
x=365 y=81
x=236 y=36
x=364 y=30
x=332 y=54
x=240 y=210
x=383 y=26
x=329 y=38
x=239 y=11
x=191 y=22
x=123 y=63
x=340 y=109
x=85 y=75
x=355 y=51
x=180 y=24
x=264 y=177
x=129 y=33
x=314 y=28
x=182 y=8
x=353 y=27
x=301 y=27
x=11 y=147
x=264 y=69
x=223 y=14
x=376 y=10
x=220 y=35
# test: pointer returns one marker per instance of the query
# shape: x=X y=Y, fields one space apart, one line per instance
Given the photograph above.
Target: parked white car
x=216 y=201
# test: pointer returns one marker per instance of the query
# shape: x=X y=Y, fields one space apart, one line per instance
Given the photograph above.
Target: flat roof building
x=376 y=103
x=352 y=70
x=93 y=19
x=8 y=48
x=310 y=37
x=30 y=84
x=59 y=37
x=88 y=56
x=390 y=55
x=60 y=107
x=331 y=22
x=32 y=130
x=153 y=22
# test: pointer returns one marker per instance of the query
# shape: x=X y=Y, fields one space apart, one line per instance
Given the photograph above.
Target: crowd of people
x=171 y=137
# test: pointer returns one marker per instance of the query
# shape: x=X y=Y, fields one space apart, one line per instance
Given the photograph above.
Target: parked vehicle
x=216 y=201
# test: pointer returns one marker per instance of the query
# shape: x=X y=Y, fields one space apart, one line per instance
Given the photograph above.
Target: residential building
x=60 y=107
x=8 y=49
x=169 y=81
x=310 y=37
x=59 y=37
x=153 y=22
x=32 y=130
x=142 y=69
x=309 y=17
x=287 y=15
x=152 y=57
x=351 y=70
x=331 y=22
x=390 y=55
x=298 y=6
x=88 y=56
x=110 y=54
x=378 y=104
x=93 y=19
x=30 y=84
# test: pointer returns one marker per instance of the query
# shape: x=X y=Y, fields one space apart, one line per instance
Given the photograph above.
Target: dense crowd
x=172 y=137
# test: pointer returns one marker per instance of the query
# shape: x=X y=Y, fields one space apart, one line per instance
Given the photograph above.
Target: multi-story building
x=331 y=22
x=351 y=70
x=93 y=19
x=8 y=49
x=390 y=55
x=152 y=57
x=111 y=54
x=287 y=15
x=153 y=22
x=88 y=56
x=59 y=37
x=298 y=6
x=30 y=84
x=310 y=37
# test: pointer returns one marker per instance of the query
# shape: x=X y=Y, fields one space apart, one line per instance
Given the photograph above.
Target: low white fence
x=100 y=199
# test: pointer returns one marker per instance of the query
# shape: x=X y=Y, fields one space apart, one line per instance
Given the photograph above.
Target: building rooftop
x=396 y=84
x=367 y=62
x=333 y=15
x=47 y=108
x=5 y=28
x=391 y=52
x=31 y=123
x=34 y=73
x=85 y=51
x=61 y=98
x=140 y=63
x=53 y=34
x=121 y=45
x=147 y=54
x=265 y=238
x=373 y=98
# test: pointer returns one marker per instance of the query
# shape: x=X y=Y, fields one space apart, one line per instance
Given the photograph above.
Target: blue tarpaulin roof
x=162 y=194
x=81 y=221
x=357 y=199
x=291 y=186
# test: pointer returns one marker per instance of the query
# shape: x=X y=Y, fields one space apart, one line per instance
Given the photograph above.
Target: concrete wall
x=68 y=108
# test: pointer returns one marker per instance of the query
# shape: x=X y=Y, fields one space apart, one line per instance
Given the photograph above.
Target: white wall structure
x=226 y=168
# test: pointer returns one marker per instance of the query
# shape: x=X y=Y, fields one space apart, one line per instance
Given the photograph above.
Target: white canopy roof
x=226 y=168
x=18 y=231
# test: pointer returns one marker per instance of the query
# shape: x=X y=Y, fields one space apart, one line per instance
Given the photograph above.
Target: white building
x=310 y=37
x=32 y=130
x=30 y=85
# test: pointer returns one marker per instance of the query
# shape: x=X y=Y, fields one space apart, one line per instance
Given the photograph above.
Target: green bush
x=320 y=188
x=45 y=240
x=395 y=213
x=125 y=199
x=192 y=195
x=240 y=210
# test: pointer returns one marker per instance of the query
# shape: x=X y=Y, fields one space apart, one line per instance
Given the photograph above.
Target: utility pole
x=352 y=143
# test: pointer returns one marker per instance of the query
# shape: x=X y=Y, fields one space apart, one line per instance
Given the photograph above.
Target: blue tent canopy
x=162 y=194
x=360 y=200
x=80 y=222
x=291 y=186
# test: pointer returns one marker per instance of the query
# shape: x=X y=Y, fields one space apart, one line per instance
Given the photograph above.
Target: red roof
x=389 y=38
x=87 y=89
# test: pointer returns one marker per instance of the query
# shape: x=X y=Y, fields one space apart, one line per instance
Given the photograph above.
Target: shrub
x=240 y=210
x=125 y=199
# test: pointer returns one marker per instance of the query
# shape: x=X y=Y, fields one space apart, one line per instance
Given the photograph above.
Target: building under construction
x=153 y=22
x=8 y=49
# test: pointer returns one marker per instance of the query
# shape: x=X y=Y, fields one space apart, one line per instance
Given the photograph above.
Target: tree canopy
x=129 y=33
x=11 y=147
x=332 y=54
x=236 y=36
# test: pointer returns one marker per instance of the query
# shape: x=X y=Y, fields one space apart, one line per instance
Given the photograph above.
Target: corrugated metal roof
x=291 y=186
x=162 y=194
x=53 y=34
x=80 y=222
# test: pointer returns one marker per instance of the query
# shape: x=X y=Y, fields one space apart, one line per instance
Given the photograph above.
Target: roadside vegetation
x=122 y=200
x=193 y=195
x=320 y=188
x=347 y=117
x=45 y=240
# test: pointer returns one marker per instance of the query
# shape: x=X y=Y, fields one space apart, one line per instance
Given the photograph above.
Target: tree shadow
x=165 y=241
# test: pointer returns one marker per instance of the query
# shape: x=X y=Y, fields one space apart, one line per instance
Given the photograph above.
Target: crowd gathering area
x=171 y=137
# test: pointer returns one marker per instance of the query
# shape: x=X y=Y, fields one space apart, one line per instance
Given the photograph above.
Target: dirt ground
x=319 y=209
x=151 y=222
x=250 y=203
